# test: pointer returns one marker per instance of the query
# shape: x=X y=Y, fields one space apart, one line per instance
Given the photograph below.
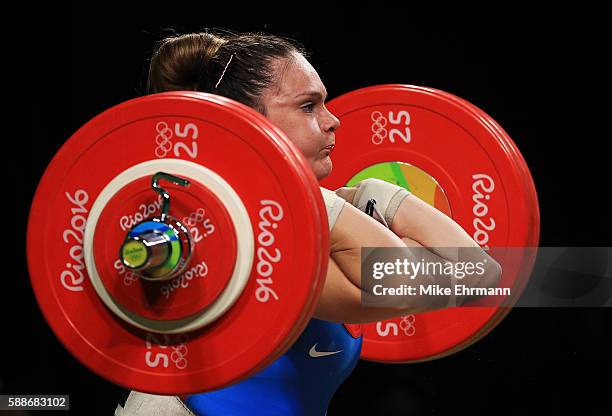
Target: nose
x=331 y=122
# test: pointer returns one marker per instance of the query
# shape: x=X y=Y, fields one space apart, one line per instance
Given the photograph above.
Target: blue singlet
x=300 y=382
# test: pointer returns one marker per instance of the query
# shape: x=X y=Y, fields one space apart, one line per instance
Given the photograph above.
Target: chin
x=322 y=169
x=323 y=174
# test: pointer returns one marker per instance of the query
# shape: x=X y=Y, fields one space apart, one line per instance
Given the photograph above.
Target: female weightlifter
x=273 y=76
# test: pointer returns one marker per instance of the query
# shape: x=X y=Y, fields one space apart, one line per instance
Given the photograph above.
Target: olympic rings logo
x=194 y=218
x=379 y=123
x=398 y=129
x=129 y=278
x=163 y=139
x=177 y=356
x=407 y=325
x=391 y=328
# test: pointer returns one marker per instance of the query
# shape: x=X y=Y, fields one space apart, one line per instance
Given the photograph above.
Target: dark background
x=541 y=77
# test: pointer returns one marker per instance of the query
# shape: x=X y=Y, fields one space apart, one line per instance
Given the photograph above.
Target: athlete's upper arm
x=355 y=229
x=352 y=231
x=340 y=301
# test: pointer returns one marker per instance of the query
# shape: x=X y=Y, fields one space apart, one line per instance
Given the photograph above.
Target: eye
x=308 y=107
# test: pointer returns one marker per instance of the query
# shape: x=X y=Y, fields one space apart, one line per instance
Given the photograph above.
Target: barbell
x=177 y=243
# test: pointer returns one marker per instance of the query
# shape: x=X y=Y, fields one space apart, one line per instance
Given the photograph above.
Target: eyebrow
x=312 y=94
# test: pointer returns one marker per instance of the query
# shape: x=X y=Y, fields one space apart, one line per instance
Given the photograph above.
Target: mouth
x=330 y=148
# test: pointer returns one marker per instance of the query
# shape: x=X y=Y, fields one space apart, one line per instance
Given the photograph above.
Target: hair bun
x=184 y=63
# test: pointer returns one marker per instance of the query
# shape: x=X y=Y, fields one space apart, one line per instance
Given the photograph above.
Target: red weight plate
x=533 y=224
x=280 y=199
x=212 y=259
x=477 y=170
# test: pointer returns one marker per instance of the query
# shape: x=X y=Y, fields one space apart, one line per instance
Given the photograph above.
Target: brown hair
x=237 y=66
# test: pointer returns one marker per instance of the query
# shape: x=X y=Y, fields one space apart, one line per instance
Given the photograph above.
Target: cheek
x=304 y=137
x=311 y=148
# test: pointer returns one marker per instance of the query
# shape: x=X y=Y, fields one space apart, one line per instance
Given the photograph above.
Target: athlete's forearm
x=490 y=278
x=419 y=221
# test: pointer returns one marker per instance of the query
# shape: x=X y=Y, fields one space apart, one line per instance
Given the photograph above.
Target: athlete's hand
x=346 y=193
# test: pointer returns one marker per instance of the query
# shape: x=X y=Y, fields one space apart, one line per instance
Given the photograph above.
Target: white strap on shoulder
x=333 y=204
x=143 y=404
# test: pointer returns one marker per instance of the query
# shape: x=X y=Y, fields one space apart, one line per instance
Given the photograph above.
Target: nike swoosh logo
x=314 y=353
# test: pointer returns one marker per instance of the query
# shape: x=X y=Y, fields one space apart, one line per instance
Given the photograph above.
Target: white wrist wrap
x=388 y=198
x=333 y=204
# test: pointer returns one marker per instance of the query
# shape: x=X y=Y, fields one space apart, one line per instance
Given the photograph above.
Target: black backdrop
x=539 y=78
